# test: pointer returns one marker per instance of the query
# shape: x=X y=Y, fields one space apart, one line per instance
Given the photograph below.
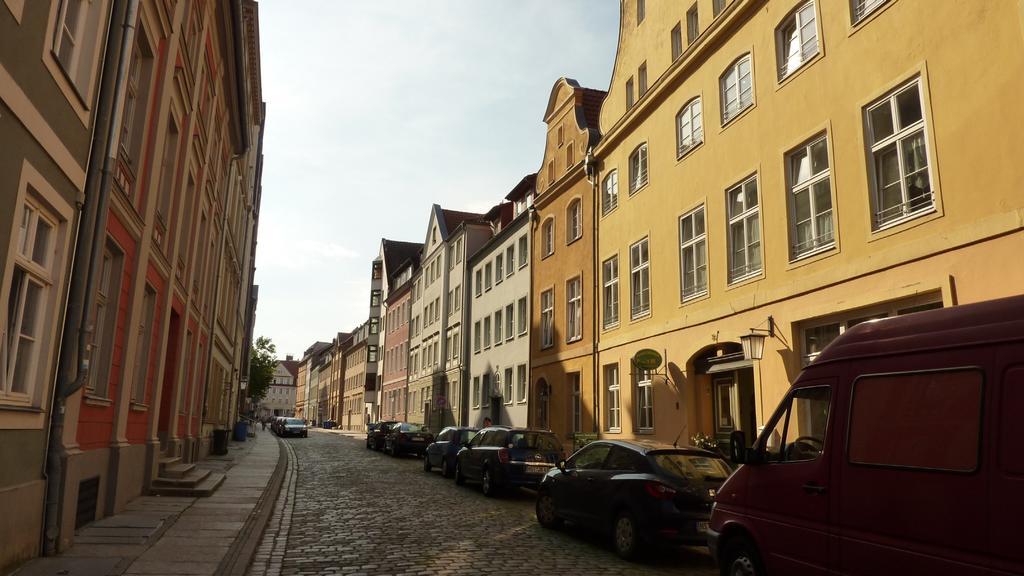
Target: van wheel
x=740 y=558
x=626 y=536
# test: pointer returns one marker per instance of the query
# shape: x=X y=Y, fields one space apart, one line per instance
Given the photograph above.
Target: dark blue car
x=500 y=457
x=446 y=446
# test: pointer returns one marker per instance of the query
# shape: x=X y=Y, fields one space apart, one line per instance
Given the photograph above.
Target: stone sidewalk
x=174 y=535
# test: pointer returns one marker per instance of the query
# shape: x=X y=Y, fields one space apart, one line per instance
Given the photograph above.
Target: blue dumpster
x=241 y=431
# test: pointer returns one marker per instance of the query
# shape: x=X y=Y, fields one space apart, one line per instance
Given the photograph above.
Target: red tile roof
x=592 y=100
x=452 y=218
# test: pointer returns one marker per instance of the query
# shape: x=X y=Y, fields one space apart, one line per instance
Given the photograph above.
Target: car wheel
x=487 y=484
x=305 y=434
x=459 y=478
x=626 y=535
x=368 y=447
x=739 y=558
x=446 y=467
x=426 y=463
x=546 y=516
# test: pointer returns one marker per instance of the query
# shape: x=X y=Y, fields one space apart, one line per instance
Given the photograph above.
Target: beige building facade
x=797 y=168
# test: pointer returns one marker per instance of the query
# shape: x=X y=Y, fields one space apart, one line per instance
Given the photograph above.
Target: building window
x=507 y=386
x=644 y=401
x=574 y=221
x=374 y=325
x=612 y=421
x=29 y=303
x=570 y=156
x=676 y=38
x=547 y=319
x=692 y=24
x=796 y=39
x=487 y=276
x=458 y=297
x=167 y=173
x=510 y=258
x=521 y=315
x=497 y=328
x=861 y=8
x=499 y=269
x=737 y=89
x=689 y=127
x=717 y=6
x=136 y=96
x=641 y=11
x=476 y=391
x=485 y=384
x=610 y=283
x=638 y=168
x=487 y=332
x=104 y=316
x=551 y=172
x=896 y=136
x=641 y=76
x=521 y=383
x=78 y=30
x=744 y=230
x=576 y=409
x=476 y=336
x=639 y=279
x=145 y=343
x=816 y=337
x=630 y=98
x=374 y=298
x=548 y=237
x=810 y=198
x=523 y=251
x=371 y=353
x=693 y=254
x=479 y=282
x=610 y=192
x=509 y=322
x=574 y=310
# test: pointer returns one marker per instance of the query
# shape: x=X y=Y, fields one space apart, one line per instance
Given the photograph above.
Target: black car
x=375 y=433
x=502 y=457
x=292 y=427
x=640 y=492
x=407 y=438
x=445 y=447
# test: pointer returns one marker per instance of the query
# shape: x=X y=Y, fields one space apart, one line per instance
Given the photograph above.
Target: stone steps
x=197 y=483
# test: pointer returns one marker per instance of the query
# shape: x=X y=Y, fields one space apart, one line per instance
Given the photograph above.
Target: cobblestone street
x=347 y=510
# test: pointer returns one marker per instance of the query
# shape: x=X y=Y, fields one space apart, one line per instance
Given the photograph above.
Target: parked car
x=375 y=433
x=407 y=438
x=501 y=457
x=275 y=424
x=897 y=451
x=639 y=492
x=293 y=427
x=442 y=452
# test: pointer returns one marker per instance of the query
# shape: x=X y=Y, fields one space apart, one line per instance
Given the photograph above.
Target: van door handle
x=814 y=488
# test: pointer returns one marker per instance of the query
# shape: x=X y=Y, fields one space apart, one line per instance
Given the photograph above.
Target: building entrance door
x=733 y=405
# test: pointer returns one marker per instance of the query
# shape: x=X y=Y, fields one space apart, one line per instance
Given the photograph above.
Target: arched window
x=689 y=127
x=574 y=221
x=736 y=86
x=548 y=237
x=638 y=168
x=610 y=192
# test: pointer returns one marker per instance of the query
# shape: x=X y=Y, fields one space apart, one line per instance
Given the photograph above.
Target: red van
x=899 y=450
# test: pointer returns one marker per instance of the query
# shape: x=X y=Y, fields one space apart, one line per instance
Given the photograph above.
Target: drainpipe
x=593 y=177
x=75 y=346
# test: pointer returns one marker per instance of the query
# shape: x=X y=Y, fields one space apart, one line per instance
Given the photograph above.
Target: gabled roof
x=397 y=252
x=592 y=100
x=452 y=219
x=524 y=187
x=315 y=349
x=292 y=366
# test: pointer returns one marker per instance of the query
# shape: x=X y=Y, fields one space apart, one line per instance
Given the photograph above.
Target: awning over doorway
x=729 y=366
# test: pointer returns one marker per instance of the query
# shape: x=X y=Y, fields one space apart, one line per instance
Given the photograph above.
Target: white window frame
x=640 y=279
x=644 y=401
x=909 y=207
x=809 y=187
x=574 y=221
x=547 y=318
x=610 y=292
x=734 y=99
x=610 y=192
x=676 y=41
x=689 y=127
x=521 y=316
x=498 y=324
x=510 y=326
x=499 y=268
x=861 y=9
x=575 y=386
x=692 y=24
x=507 y=385
x=638 y=168
x=574 y=309
x=796 y=39
x=477 y=336
x=510 y=260
x=476 y=391
x=487 y=332
x=547 y=237
x=696 y=247
x=524 y=251
x=749 y=218
x=613 y=398
x=521 y=379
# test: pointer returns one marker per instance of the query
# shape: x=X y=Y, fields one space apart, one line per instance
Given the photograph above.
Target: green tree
x=262 y=363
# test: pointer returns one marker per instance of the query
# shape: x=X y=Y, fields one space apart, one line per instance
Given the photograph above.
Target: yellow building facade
x=794 y=167
x=562 y=334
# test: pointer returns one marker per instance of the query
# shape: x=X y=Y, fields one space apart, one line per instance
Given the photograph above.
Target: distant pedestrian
x=487 y=421
x=263 y=423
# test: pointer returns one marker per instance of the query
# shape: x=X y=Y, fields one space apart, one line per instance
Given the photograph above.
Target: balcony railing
x=862 y=8
x=919 y=203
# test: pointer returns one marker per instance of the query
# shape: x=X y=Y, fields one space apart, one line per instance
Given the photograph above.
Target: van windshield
x=690 y=466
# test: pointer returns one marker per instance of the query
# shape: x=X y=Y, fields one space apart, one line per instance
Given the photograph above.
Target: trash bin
x=241 y=430
x=220 y=442
x=328 y=424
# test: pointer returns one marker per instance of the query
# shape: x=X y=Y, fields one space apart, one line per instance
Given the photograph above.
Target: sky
x=378 y=109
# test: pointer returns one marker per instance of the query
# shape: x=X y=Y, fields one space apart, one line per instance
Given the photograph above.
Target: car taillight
x=402 y=437
x=503 y=456
x=659 y=491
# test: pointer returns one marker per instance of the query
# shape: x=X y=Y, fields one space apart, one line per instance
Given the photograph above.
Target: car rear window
x=691 y=466
x=543 y=441
x=413 y=428
x=293 y=421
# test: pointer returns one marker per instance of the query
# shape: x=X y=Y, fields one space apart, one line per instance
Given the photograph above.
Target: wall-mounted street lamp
x=753 y=343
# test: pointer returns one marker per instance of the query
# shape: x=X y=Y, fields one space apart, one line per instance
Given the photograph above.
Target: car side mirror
x=740 y=453
x=561 y=465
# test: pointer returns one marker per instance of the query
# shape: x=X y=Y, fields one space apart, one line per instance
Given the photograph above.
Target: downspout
x=75 y=346
x=590 y=166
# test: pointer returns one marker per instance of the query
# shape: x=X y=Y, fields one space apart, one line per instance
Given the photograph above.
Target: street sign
x=440 y=401
x=647 y=359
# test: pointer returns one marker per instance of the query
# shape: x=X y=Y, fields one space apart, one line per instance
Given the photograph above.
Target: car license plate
x=418 y=438
x=702 y=526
